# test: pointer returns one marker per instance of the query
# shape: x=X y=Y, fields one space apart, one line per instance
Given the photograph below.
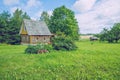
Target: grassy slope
x=89 y=62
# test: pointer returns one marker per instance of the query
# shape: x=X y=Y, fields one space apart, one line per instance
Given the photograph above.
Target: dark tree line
x=10 y=26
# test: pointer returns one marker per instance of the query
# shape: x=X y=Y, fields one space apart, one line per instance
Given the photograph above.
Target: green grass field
x=97 y=61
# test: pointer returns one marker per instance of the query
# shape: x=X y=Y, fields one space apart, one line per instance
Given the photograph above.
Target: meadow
x=91 y=61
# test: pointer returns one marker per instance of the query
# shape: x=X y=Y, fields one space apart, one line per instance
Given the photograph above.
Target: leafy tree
x=116 y=31
x=106 y=35
x=63 y=20
x=112 y=35
x=45 y=17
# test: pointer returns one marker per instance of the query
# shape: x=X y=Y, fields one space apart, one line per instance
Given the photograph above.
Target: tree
x=15 y=24
x=112 y=35
x=116 y=31
x=63 y=20
x=25 y=16
x=64 y=25
x=45 y=17
x=18 y=17
x=10 y=26
x=107 y=35
x=4 y=21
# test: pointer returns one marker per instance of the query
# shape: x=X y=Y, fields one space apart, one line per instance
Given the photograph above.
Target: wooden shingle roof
x=36 y=27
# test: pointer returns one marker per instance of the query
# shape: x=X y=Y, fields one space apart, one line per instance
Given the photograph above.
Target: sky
x=92 y=15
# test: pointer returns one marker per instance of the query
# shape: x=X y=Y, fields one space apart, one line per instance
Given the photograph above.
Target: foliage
x=15 y=25
x=10 y=26
x=63 y=20
x=106 y=35
x=62 y=42
x=4 y=27
x=116 y=31
x=100 y=61
x=33 y=49
x=45 y=17
x=112 y=35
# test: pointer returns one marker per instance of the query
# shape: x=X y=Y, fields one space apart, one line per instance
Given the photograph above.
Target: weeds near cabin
x=39 y=48
x=61 y=42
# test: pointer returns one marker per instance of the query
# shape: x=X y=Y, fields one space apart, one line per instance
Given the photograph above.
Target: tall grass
x=91 y=61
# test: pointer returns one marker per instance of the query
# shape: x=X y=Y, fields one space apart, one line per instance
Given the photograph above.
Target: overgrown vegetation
x=100 y=61
x=61 y=42
x=39 y=48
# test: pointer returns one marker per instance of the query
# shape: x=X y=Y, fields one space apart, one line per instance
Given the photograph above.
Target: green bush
x=48 y=47
x=31 y=49
x=63 y=43
x=34 y=49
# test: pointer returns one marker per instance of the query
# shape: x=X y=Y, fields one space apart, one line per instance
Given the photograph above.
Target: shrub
x=34 y=49
x=31 y=49
x=63 y=43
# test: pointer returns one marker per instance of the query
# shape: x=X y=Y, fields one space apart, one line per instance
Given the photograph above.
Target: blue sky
x=92 y=15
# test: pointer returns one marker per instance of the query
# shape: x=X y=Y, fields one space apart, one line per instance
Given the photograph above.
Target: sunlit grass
x=92 y=60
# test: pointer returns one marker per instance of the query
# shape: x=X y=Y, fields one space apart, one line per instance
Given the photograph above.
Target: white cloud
x=108 y=8
x=32 y=7
x=104 y=14
x=33 y=3
x=84 y=5
x=10 y=2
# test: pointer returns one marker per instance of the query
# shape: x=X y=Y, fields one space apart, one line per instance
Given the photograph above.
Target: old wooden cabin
x=33 y=32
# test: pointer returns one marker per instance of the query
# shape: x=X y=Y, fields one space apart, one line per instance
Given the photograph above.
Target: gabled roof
x=36 y=27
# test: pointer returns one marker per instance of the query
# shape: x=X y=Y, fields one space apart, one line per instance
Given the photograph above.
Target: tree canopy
x=112 y=35
x=63 y=20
